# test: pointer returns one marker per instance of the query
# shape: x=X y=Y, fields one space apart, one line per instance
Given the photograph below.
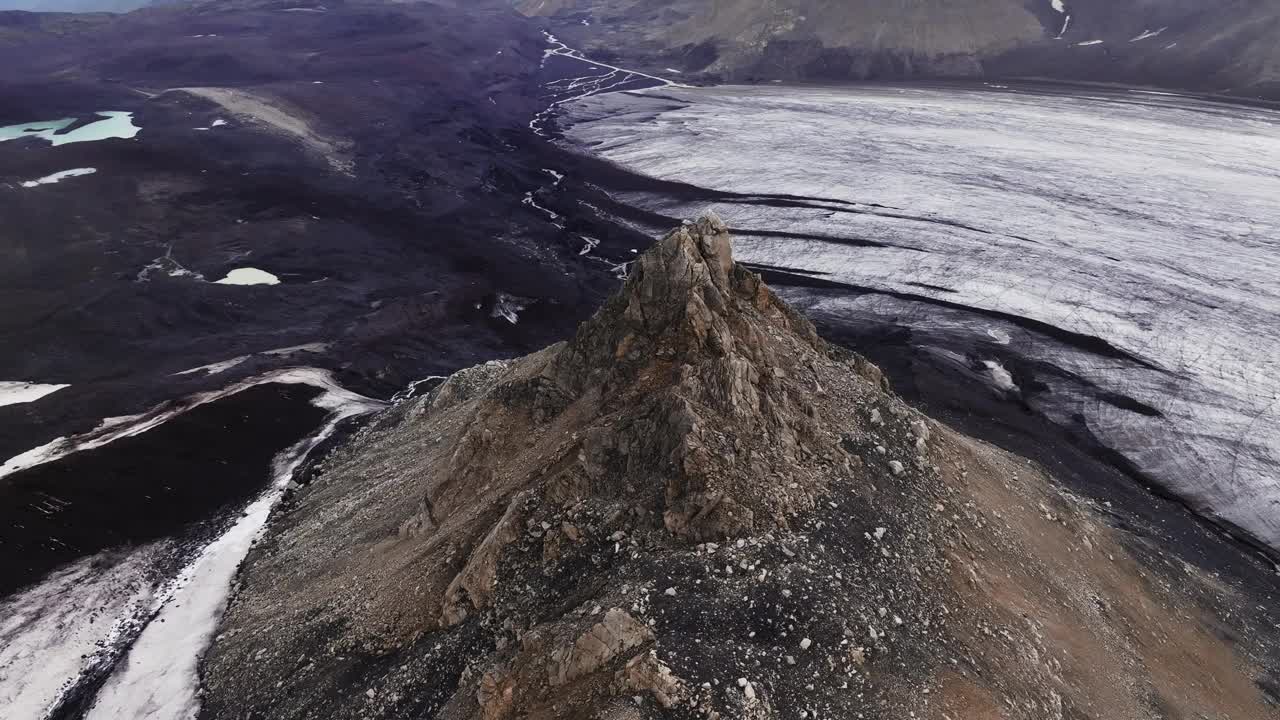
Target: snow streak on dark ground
x=1109 y=260
x=118 y=634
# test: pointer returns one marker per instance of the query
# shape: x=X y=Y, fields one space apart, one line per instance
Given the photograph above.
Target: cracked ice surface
x=1149 y=222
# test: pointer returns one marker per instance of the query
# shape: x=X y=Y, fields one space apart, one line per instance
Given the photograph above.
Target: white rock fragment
x=921 y=429
x=879 y=534
x=896 y=467
x=671 y=592
x=805 y=644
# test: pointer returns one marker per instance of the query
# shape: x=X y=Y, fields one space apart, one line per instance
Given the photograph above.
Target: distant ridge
x=1228 y=47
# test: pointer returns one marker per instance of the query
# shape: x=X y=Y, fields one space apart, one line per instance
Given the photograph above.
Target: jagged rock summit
x=697 y=508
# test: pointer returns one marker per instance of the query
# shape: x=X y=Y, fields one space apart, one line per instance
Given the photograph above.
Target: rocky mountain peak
x=696 y=508
x=684 y=301
x=698 y=351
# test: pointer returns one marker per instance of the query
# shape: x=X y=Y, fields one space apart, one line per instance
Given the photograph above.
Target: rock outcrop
x=698 y=508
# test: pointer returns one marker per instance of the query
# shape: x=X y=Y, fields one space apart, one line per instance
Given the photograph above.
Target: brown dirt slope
x=697 y=508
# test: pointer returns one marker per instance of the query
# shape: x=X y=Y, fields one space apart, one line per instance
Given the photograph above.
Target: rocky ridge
x=698 y=508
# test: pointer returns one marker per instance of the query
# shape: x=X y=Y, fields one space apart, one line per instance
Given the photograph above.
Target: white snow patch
x=223 y=366
x=411 y=391
x=166 y=264
x=1058 y=5
x=215 y=368
x=509 y=307
x=248 y=276
x=1000 y=377
x=1089 y=42
x=999 y=336
x=58 y=177
x=16 y=393
x=309 y=347
x=1148 y=34
x=66 y=626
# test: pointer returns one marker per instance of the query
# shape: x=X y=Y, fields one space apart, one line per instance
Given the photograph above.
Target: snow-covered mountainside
x=1226 y=47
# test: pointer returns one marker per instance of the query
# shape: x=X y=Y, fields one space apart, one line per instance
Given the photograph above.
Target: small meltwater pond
x=114 y=124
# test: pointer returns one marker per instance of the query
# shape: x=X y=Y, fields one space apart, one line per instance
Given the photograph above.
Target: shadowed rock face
x=1225 y=48
x=698 y=508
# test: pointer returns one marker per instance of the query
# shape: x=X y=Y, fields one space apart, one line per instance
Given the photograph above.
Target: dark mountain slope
x=371 y=157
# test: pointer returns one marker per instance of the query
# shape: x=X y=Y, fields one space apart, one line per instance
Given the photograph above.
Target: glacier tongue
x=1124 y=220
